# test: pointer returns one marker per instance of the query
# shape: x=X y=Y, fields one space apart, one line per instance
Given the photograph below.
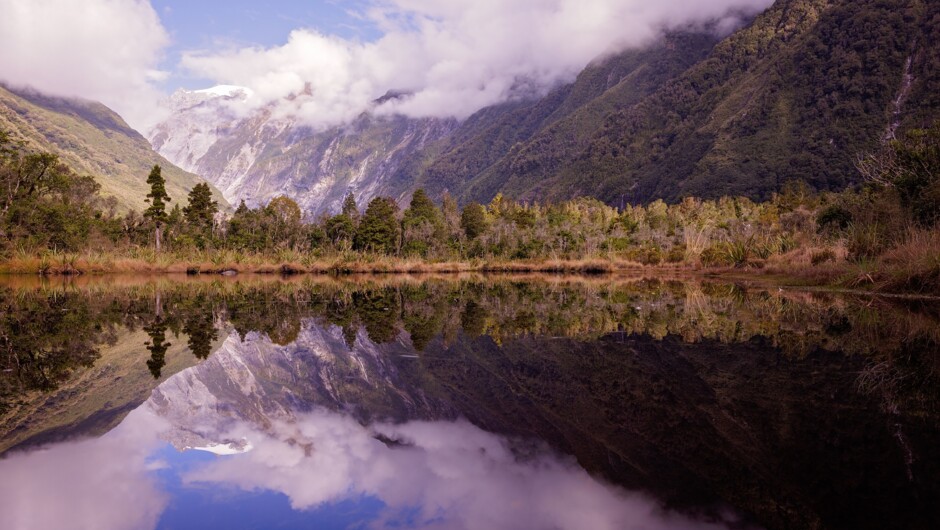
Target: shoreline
x=841 y=278
x=336 y=266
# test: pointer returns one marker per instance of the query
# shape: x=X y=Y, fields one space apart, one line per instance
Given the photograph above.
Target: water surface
x=463 y=402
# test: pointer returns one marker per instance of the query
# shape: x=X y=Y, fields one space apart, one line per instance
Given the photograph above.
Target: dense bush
x=44 y=205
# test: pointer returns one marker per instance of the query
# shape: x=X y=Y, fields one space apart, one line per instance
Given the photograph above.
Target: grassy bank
x=911 y=267
x=146 y=262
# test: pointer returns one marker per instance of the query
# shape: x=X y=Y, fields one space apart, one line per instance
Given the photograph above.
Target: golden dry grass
x=912 y=266
x=148 y=263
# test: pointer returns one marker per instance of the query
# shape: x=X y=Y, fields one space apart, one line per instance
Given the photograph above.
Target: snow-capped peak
x=225 y=91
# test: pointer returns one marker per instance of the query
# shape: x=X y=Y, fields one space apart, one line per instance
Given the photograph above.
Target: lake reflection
x=464 y=403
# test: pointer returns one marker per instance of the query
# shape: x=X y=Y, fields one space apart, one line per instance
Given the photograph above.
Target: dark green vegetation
x=475 y=159
x=46 y=336
x=883 y=234
x=798 y=94
x=157 y=198
x=45 y=206
x=92 y=140
x=787 y=406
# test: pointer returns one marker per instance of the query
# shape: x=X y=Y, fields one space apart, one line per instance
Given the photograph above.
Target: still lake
x=465 y=402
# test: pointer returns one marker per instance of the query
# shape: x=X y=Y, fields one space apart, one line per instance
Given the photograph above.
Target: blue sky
x=214 y=24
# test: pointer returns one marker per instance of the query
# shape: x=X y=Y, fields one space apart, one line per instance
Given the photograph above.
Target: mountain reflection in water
x=475 y=402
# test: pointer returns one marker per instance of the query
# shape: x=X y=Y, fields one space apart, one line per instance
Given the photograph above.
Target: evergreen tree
x=473 y=220
x=379 y=229
x=201 y=210
x=283 y=216
x=422 y=224
x=175 y=217
x=452 y=234
x=200 y=328
x=157 y=198
x=451 y=213
x=340 y=230
x=421 y=209
x=350 y=209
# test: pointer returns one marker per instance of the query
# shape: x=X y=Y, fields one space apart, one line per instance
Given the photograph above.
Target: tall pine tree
x=350 y=209
x=157 y=198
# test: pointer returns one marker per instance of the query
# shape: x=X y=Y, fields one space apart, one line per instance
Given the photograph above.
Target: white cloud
x=448 y=475
x=455 y=57
x=104 y=50
x=91 y=484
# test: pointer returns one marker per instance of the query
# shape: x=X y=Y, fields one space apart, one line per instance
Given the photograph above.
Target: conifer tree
x=421 y=209
x=201 y=210
x=379 y=229
x=350 y=209
x=421 y=224
x=157 y=198
x=157 y=346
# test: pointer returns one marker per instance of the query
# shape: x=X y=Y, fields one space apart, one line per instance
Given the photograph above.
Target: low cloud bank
x=451 y=58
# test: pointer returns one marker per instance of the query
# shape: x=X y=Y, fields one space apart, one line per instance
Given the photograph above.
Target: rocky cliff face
x=258 y=156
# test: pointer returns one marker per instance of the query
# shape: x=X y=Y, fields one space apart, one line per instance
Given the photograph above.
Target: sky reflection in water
x=333 y=471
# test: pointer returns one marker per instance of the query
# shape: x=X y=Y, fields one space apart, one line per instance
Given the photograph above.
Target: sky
x=231 y=24
x=321 y=63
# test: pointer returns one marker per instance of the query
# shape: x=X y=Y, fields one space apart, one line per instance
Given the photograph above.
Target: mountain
x=260 y=156
x=474 y=162
x=92 y=139
x=682 y=419
x=797 y=94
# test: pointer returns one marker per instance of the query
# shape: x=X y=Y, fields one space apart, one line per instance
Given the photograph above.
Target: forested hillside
x=472 y=160
x=797 y=95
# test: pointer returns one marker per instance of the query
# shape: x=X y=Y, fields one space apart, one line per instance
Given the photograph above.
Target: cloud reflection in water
x=430 y=475
x=95 y=484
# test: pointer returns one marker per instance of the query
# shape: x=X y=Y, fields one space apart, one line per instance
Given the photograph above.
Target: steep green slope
x=798 y=94
x=94 y=140
x=472 y=161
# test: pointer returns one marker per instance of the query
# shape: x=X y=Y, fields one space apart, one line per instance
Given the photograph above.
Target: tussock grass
x=910 y=266
x=913 y=265
x=289 y=262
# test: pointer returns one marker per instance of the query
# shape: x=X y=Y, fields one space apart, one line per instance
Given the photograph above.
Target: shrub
x=739 y=252
x=864 y=241
x=818 y=258
x=676 y=254
x=833 y=218
x=715 y=256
